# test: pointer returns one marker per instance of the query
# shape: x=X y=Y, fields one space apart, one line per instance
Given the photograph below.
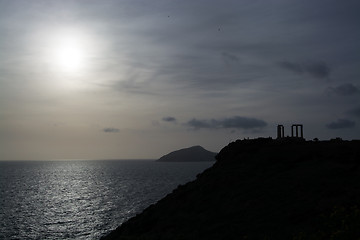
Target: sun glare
x=69 y=55
x=67 y=51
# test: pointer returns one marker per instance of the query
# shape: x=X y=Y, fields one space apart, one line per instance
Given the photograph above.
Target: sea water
x=82 y=199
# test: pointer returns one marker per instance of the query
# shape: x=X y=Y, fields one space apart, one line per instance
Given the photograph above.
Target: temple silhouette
x=296 y=131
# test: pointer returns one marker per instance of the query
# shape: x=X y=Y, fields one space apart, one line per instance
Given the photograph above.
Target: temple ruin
x=296 y=131
x=297 y=127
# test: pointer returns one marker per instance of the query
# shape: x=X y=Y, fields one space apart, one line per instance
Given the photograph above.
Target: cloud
x=229 y=58
x=317 y=70
x=293 y=67
x=346 y=89
x=355 y=112
x=169 y=119
x=341 y=124
x=235 y=122
x=197 y=124
x=111 y=130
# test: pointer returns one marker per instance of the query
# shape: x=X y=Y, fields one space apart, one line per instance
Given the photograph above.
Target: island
x=191 y=154
x=262 y=188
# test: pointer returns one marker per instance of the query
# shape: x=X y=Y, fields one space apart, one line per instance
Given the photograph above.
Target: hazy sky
x=137 y=79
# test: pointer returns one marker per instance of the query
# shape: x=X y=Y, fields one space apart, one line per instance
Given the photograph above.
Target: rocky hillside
x=262 y=189
x=191 y=154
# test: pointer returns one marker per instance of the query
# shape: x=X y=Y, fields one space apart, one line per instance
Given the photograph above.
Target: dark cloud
x=197 y=124
x=346 y=89
x=111 y=130
x=229 y=58
x=169 y=119
x=317 y=70
x=235 y=122
x=355 y=112
x=341 y=124
x=293 y=67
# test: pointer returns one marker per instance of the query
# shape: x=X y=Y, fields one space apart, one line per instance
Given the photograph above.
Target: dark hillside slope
x=262 y=189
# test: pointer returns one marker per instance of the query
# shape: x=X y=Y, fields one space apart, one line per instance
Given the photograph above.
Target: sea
x=82 y=199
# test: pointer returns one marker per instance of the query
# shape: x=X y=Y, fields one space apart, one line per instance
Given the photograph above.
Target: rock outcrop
x=262 y=189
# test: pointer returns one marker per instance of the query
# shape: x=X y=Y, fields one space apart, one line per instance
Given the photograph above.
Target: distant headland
x=191 y=154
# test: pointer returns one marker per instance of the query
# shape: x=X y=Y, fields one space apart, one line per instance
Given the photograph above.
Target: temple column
x=280 y=131
x=297 y=130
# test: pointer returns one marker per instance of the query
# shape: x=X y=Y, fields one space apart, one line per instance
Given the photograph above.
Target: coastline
x=254 y=187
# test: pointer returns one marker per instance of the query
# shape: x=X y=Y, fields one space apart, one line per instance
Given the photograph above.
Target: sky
x=131 y=79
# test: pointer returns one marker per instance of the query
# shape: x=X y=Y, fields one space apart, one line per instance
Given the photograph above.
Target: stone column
x=280 y=131
x=297 y=130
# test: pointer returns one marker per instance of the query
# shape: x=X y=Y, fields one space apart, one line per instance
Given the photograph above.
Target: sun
x=69 y=55
x=67 y=51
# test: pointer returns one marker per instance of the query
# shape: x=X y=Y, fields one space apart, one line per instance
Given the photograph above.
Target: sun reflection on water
x=81 y=199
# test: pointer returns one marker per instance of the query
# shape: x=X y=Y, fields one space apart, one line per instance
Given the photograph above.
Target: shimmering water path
x=82 y=199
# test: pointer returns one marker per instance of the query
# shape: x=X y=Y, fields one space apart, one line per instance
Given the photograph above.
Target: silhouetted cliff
x=191 y=154
x=262 y=189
